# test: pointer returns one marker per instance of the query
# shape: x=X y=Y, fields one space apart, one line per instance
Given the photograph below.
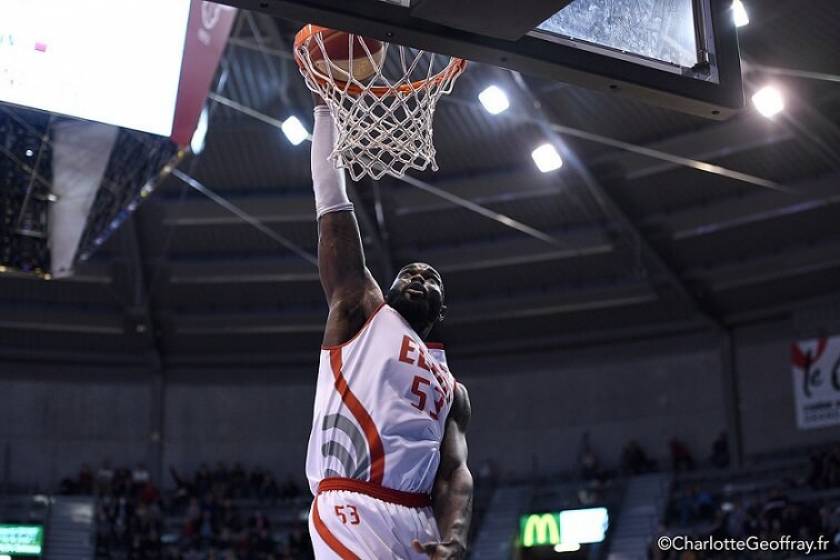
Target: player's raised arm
x=452 y=495
x=351 y=291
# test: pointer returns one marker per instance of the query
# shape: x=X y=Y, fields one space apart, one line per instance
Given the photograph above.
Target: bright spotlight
x=294 y=131
x=547 y=158
x=769 y=101
x=200 y=134
x=494 y=100
x=739 y=13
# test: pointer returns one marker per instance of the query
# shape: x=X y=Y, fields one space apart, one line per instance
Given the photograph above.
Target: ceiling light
x=769 y=101
x=494 y=100
x=294 y=131
x=739 y=13
x=547 y=158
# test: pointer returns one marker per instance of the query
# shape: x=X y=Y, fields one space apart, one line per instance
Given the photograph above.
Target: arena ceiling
x=659 y=222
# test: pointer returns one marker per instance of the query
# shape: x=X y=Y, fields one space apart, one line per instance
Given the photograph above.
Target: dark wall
x=255 y=419
x=532 y=412
x=54 y=418
x=528 y=411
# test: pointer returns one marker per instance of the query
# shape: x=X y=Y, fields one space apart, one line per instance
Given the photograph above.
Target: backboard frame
x=567 y=63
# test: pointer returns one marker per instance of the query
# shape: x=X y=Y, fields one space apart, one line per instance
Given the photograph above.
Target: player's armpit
x=452 y=494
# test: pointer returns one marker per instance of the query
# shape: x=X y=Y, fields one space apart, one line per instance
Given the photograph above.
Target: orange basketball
x=337 y=45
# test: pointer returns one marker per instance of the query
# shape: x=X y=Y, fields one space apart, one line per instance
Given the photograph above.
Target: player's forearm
x=328 y=182
x=341 y=259
x=453 y=499
x=340 y=253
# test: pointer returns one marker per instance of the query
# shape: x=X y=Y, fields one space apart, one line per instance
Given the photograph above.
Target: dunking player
x=387 y=453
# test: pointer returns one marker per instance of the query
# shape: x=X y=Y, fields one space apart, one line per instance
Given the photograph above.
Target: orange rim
x=305 y=35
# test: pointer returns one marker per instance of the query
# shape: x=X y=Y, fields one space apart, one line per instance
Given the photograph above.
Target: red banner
x=207 y=34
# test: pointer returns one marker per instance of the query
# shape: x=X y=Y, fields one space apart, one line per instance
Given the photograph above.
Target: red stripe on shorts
x=327 y=536
x=377 y=451
x=407 y=499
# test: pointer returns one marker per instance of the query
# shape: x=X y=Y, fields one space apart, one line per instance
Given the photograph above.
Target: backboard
x=681 y=54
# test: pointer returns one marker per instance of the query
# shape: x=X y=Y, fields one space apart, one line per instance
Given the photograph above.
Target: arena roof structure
x=657 y=223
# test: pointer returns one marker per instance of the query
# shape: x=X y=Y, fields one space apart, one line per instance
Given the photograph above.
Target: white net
x=383 y=101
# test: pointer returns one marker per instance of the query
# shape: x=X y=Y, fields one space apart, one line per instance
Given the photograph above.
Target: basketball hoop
x=382 y=98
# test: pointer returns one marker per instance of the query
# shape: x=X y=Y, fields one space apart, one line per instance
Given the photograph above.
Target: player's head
x=417 y=294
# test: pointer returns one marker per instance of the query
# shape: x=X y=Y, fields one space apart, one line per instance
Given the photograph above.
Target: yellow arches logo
x=539 y=529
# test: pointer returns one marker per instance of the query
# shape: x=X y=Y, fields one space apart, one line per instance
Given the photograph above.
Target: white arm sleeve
x=327 y=181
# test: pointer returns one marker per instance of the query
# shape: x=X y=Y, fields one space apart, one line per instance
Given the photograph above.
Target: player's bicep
x=454 y=448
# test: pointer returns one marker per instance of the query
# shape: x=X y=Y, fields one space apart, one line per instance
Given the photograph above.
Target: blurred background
x=648 y=328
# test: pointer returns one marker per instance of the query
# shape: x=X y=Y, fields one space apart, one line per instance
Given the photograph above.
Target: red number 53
x=354 y=514
x=420 y=387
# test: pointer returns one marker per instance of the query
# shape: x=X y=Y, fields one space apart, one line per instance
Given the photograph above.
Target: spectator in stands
x=269 y=490
x=735 y=521
x=238 y=481
x=825 y=468
x=681 y=459
x=203 y=480
x=720 y=451
x=139 y=477
x=104 y=477
x=290 y=490
x=130 y=518
x=634 y=460
x=588 y=461
x=85 y=480
x=298 y=545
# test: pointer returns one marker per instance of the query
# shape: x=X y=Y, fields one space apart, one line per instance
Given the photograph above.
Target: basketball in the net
x=337 y=45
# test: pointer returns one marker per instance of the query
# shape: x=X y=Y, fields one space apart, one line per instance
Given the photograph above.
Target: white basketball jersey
x=380 y=408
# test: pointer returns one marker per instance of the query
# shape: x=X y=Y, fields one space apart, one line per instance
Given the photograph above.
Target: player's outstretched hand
x=449 y=550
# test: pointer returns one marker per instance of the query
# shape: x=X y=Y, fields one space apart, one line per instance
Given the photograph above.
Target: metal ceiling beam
x=371 y=232
x=384 y=213
x=814 y=127
x=798 y=259
x=793 y=73
x=505 y=347
x=63 y=358
x=612 y=210
x=56 y=327
x=742 y=211
x=670 y=160
x=129 y=280
x=738 y=135
x=638 y=149
x=422 y=185
x=133 y=280
x=255 y=222
x=237 y=324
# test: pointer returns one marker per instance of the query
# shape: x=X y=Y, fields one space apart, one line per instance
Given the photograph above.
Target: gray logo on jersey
x=353 y=468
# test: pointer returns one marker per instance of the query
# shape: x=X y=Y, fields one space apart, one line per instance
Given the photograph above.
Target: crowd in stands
x=213 y=514
x=635 y=461
x=226 y=513
x=801 y=507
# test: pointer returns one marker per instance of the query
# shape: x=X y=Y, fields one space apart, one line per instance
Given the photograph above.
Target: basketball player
x=387 y=459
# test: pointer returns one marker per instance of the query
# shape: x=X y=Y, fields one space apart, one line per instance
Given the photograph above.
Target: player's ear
x=442 y=314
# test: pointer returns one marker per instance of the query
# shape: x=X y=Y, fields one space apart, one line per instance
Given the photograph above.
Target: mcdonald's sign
x=569 y=527
x=539 y=529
